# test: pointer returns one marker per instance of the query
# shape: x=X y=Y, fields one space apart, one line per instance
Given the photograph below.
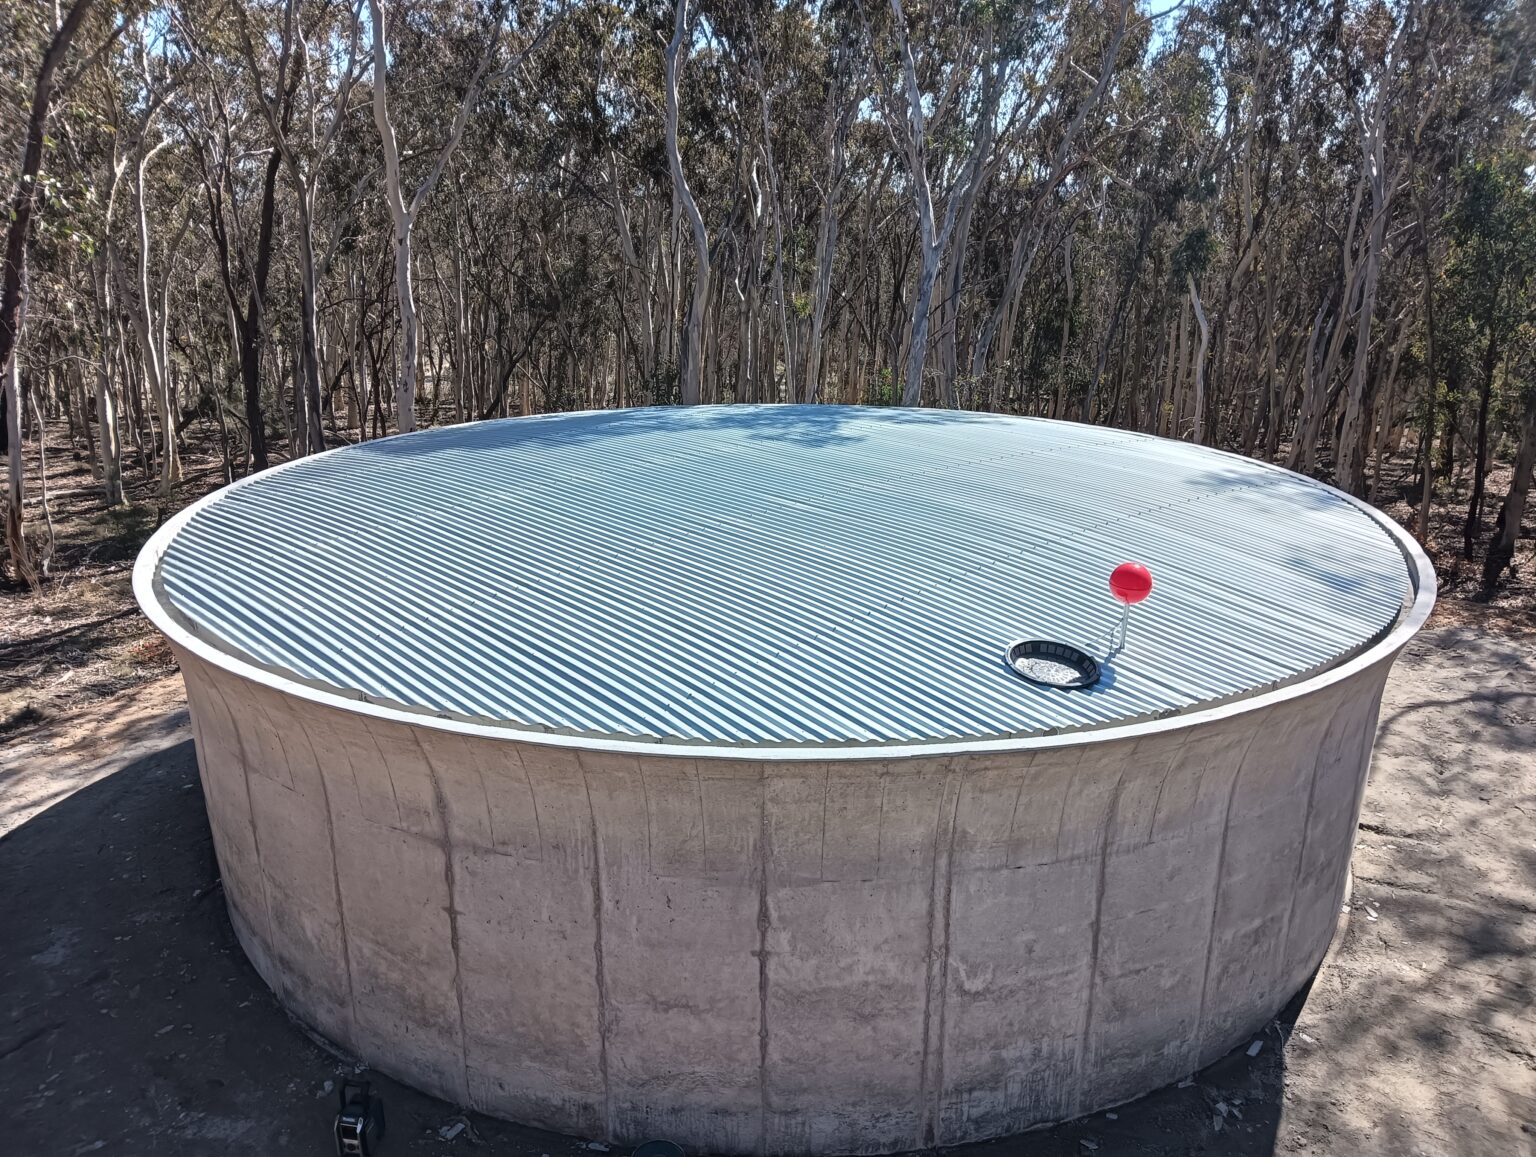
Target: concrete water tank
x=658 y=772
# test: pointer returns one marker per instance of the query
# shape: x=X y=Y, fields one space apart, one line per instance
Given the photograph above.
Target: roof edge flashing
x=150 y=596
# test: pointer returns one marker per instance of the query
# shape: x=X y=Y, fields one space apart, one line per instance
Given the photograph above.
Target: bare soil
x=132 y=1023
x=81 y=639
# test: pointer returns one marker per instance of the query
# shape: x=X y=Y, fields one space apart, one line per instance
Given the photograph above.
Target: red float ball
x=1130 y=582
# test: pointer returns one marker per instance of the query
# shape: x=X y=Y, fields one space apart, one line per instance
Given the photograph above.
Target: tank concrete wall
x=850 y=956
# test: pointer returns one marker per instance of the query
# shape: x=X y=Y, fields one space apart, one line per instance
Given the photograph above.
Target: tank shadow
x=135 y=1025
x=814 y=425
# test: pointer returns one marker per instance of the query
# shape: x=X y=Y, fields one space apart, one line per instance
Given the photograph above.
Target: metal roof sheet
x=780 y=574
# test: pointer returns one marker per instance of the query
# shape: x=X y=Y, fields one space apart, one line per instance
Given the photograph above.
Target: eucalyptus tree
x=403 y=212
x=13 y=273
x=1490 y=295
x=1247 y=223
x=223 y=129
x=691 y=362
x=1054 y=109
x=957 y=94
x=324 y=64
x=143 y=293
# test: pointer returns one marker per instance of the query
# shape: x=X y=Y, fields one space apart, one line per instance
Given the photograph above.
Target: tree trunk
x=1199 y=358
x=403 y=220
x=253 y=327
x=1432 y=386
x=45 y=554
x=1501 y=552
x=1350 y=456
x=1059 y=403
x=1474 y=524
x=106 y=397
x=691 y=365
x=826 y=239
x=13 y=280
x=23 y=559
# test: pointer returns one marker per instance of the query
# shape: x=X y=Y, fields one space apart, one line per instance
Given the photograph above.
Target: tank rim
x=1422 y=579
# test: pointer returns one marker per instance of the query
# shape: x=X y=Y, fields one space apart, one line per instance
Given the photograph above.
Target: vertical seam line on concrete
x=1013 y=816
x=1061 y=811
x=341 y=910
x=1301 y=854
x=953 y=801
x=440 y=801
x=826 y=792
x=276 y=983
x=698 y=791
x=204 y=780
x=600 y=974
x=1096 y=933
x=885 y=787
x=1197 y=1040
x=533 y=798
x=1162 y=786
x=645 y=794
x=925 y=1136
x=485 y=796
x=394 y=794
x=1368 y=750
x=764 y=921
x=920 y=1139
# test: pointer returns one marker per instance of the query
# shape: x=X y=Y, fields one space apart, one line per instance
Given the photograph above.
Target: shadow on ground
x=134 y=1025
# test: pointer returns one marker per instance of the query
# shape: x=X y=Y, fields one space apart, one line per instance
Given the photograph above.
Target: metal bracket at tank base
x=360 y=1123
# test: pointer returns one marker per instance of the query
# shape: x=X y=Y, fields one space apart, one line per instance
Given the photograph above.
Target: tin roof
x=779 y=574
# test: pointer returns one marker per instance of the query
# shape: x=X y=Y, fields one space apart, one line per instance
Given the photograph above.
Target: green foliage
x=882 y=389
x=1191 y=256
x=1487 y=296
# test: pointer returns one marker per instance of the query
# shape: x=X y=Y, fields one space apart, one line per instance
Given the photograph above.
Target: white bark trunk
x=1350 y=457
x=401 y=217
x=23 y=563
x=691 y=367
x=1199 y=358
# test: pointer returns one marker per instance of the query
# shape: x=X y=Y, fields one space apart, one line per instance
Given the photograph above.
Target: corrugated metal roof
x=780 y=575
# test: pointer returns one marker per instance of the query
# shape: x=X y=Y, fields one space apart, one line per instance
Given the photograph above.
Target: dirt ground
x=133 y=1024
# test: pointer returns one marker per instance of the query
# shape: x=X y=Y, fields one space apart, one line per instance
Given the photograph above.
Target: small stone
x=1253 y=1049
x=597 y=1147
x=166 y=1029
x=1112 y=1116
x=1306 y=1038
x=326 y=1088
x=1088 y=1145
